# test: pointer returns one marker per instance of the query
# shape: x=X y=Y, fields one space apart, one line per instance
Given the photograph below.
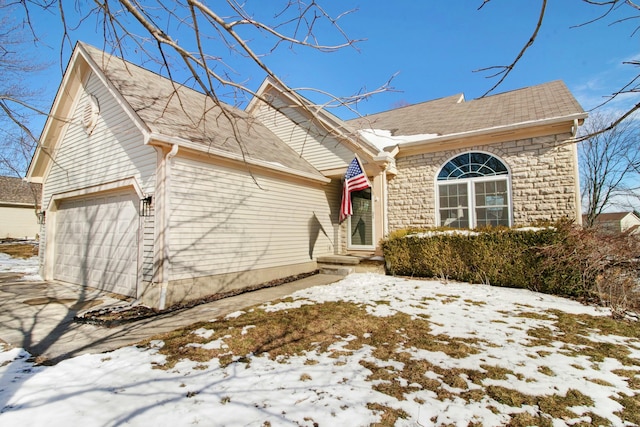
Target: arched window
x=473 y=191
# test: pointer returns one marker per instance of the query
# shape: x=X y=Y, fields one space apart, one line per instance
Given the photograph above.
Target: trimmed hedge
x=501 y=257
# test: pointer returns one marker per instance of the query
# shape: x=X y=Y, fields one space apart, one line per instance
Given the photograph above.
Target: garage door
x=96 y=242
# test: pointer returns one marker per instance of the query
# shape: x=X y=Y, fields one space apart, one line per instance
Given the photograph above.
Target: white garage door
x=96 y=243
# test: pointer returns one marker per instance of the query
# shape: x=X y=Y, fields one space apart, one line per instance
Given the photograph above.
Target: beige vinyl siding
x=148 y=238
x=321 y=150
x=18 y=222
x=333 y=190
x=223 y=222
x=113 y=151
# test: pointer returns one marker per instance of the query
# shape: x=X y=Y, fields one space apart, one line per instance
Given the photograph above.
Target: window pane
x=492 y=207
x=454 y=205
x=472 y=165
x=454 y=218
x=492 y=216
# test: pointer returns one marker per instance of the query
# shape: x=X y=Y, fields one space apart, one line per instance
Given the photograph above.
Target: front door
x=361 y=222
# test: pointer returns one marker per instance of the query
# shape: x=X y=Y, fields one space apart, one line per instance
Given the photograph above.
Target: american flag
x=354 y=180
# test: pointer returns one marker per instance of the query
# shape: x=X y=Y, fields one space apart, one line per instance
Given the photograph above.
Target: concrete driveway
x=38 y=316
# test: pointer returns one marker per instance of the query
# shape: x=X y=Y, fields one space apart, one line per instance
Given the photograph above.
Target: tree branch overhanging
x=505 y=70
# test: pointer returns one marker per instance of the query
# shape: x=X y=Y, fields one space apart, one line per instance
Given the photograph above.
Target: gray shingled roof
x=609 y=216
x=174 y=110
x=16 y=191
x=447 y=116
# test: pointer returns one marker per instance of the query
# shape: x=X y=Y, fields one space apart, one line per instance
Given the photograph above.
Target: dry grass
x=19 y=250
x=316 y=327
x=574 y=330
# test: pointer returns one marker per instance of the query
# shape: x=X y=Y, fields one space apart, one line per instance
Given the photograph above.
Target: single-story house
x=153 y=191
x=19 y=206
x=617 y=222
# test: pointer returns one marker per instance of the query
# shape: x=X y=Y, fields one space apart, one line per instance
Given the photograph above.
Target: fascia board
x=159 y=139
x=416 y=145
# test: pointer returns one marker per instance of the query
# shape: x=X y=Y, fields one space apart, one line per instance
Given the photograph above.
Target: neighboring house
x=165 y=196
x=617 y=222
x=19 y=204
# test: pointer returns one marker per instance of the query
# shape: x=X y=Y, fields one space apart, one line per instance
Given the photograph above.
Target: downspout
x=165 y=219
x=574 y=132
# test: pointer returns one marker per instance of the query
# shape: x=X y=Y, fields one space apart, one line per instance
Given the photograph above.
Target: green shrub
x=561 y=259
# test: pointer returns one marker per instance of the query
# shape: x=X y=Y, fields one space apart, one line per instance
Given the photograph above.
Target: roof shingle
x=174 y=110
x=16 y=191
x=452 y=115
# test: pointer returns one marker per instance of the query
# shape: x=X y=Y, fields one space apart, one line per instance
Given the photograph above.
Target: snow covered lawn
x=369 y=349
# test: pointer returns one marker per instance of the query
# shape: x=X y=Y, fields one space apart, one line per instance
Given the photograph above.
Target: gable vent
x=90 y=113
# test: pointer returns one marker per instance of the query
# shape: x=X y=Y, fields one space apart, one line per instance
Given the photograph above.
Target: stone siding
x=543 y=181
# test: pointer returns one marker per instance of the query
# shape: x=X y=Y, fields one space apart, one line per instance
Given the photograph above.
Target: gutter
x=171 y=140
x=575 y=118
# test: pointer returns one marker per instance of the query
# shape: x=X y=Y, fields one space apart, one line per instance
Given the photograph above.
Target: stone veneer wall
x=543 y=181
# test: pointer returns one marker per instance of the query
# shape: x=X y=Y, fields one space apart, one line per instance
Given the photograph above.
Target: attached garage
x=96 y=242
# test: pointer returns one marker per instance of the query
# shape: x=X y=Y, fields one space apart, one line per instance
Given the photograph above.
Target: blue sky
x=433 y=46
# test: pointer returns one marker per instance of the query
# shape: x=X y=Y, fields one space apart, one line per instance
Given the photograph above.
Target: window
x=473 y=191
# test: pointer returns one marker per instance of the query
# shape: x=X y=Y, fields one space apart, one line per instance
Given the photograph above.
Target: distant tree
x=607 y=162
x=17 y=103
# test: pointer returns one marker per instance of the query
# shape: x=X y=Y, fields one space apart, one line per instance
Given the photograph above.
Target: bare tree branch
x=505 y=70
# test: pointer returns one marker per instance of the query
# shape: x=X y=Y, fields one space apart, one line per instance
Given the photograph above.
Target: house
x=153 y=191
x=507 y=159
x=617 y=222
x=18 y=208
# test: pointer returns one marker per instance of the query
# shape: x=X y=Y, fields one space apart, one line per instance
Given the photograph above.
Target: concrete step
x=339 y=260
x=339 y=270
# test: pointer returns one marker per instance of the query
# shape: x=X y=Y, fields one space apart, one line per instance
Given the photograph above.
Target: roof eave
x=415 y=146
x=160 y=139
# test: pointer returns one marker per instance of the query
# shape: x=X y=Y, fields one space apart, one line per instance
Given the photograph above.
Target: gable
x=171 y=110
x=315 y=145
x=111 y=149
x=312 y=132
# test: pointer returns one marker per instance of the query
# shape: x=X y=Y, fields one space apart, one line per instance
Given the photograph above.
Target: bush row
x=559 y=259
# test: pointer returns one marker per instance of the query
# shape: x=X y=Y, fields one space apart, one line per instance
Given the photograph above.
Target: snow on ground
x=124 y=388
x=27 y=266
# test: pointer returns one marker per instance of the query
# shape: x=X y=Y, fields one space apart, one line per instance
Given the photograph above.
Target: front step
x=339 y=260
x=345 y=264
x=336 y=270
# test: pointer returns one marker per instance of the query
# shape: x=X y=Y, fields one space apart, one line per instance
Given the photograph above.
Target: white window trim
x=471 y=190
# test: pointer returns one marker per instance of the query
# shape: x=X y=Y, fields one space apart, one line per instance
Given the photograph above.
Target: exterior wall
x=629 y=221
x=114 y=151
x=18 y=222
x=225 y=227
x=543 y=181
x=319 y=149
